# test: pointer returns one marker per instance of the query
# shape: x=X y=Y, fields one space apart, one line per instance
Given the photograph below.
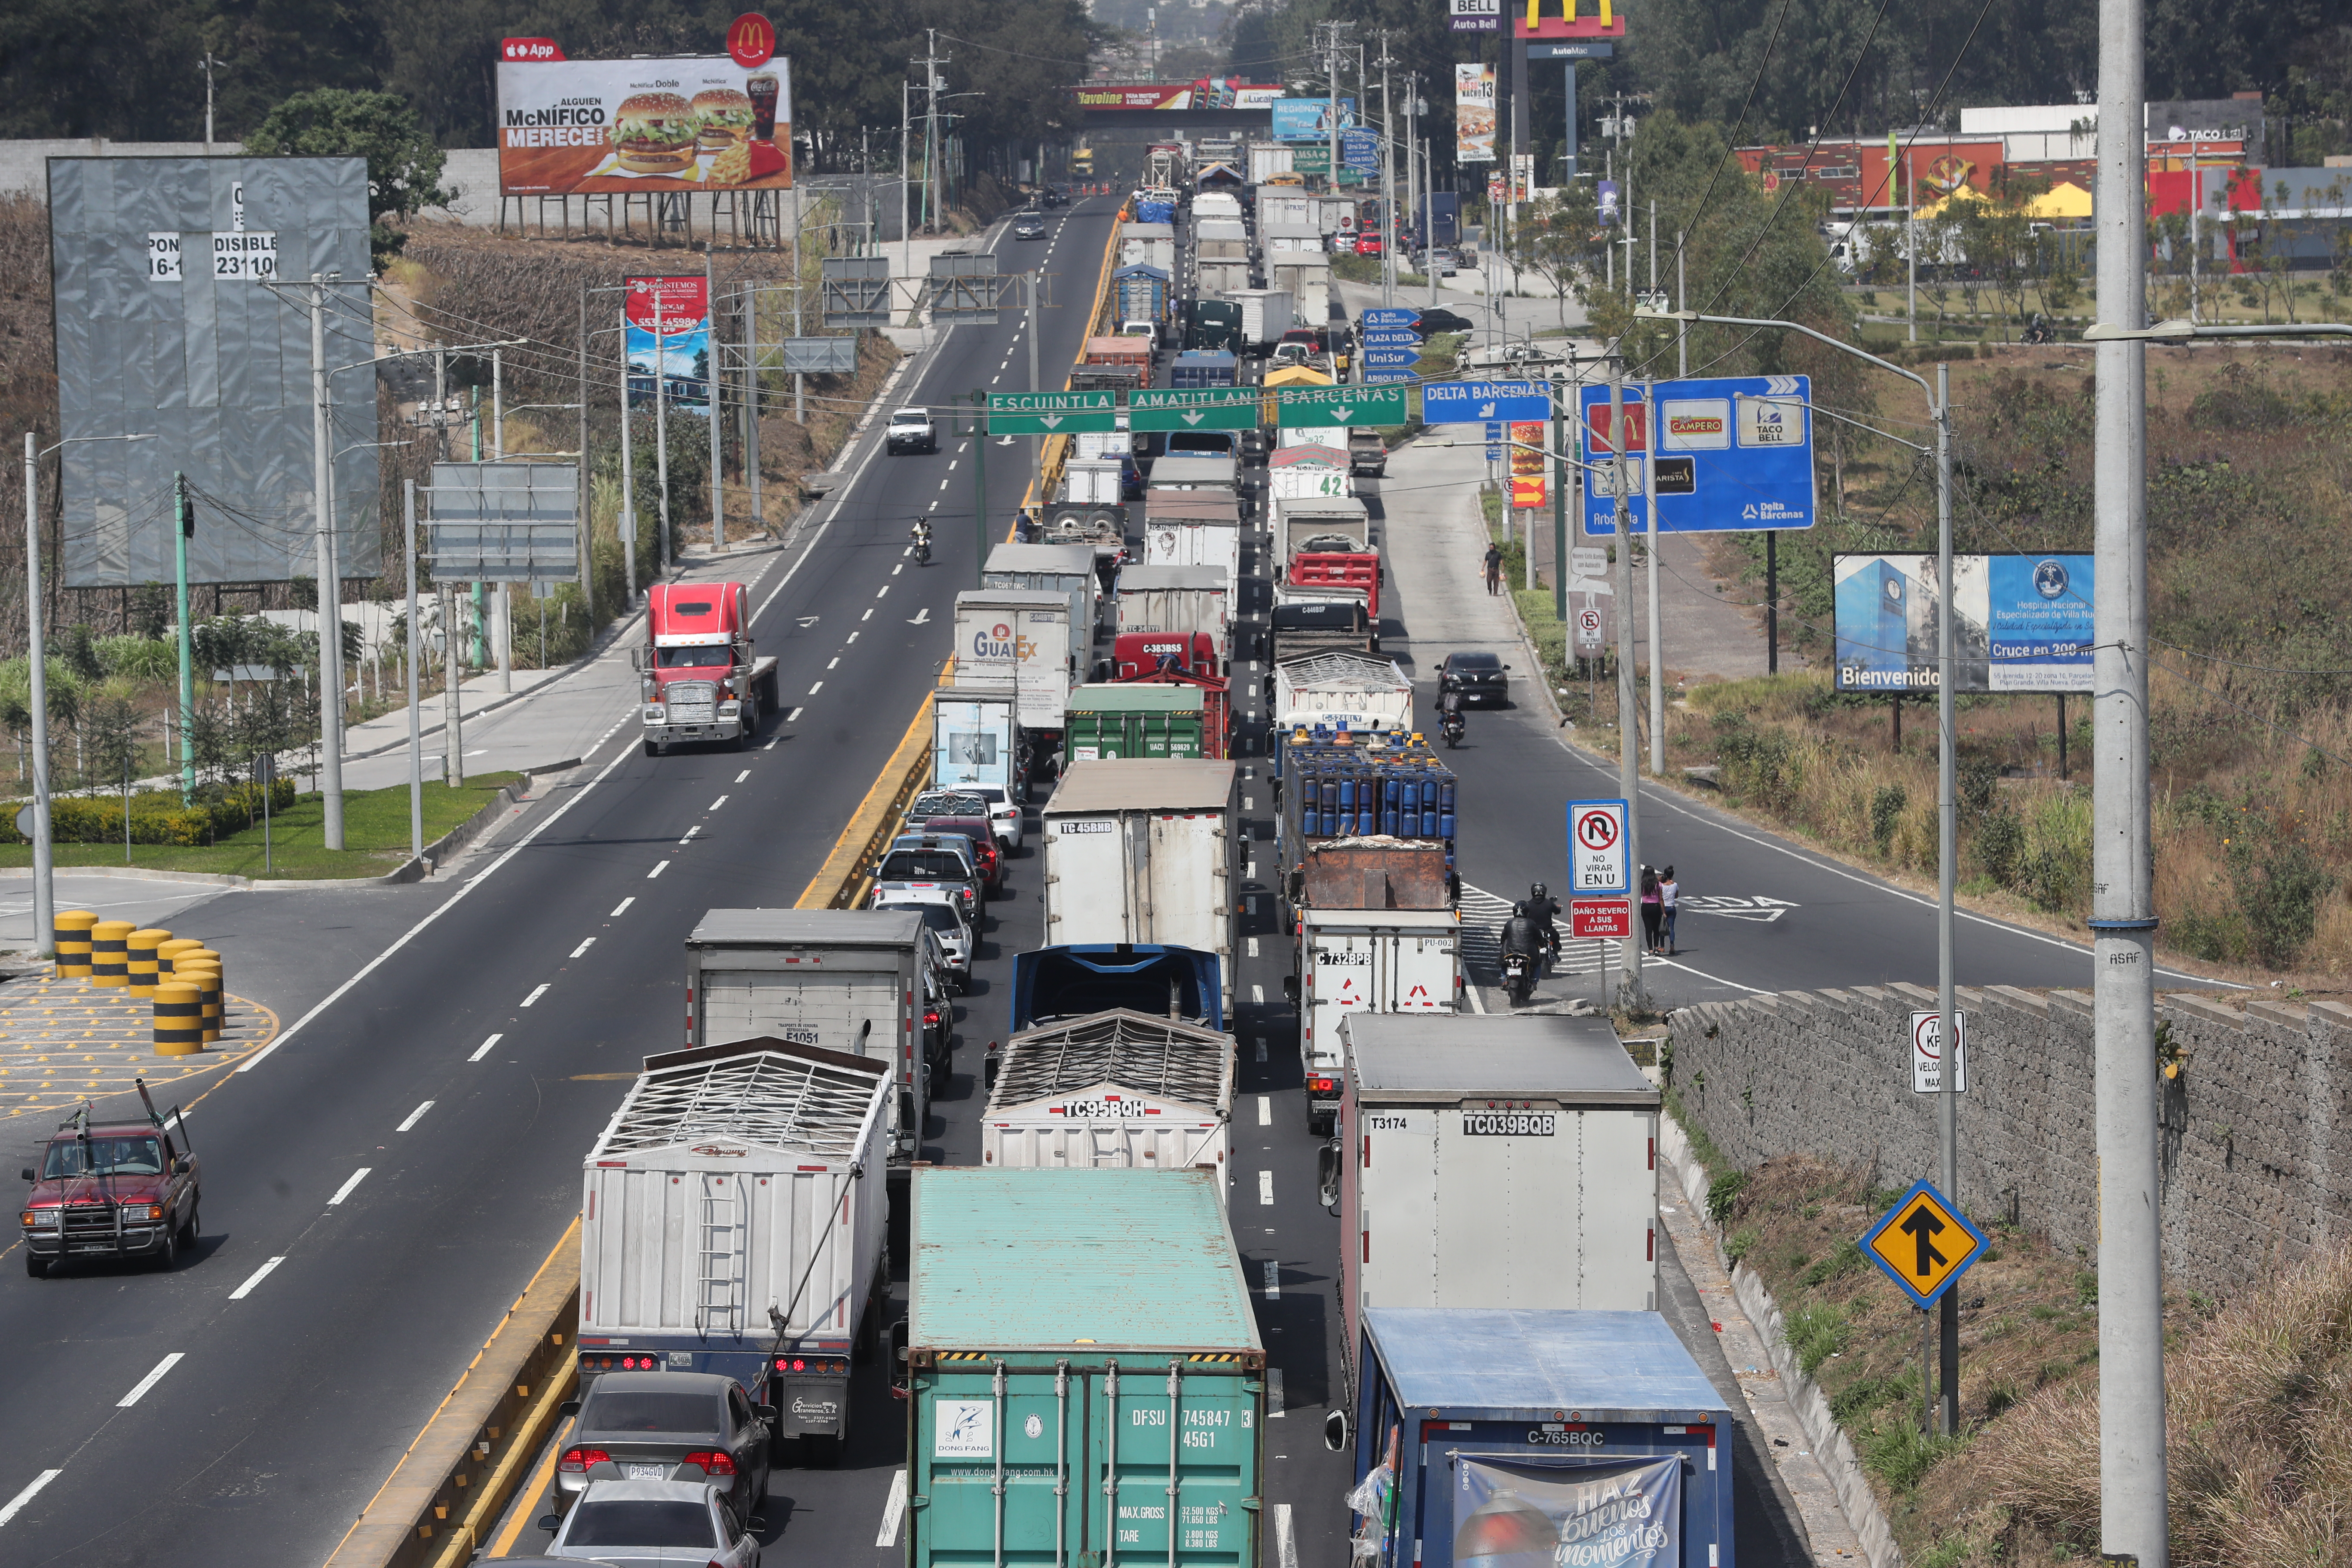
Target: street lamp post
x=45 y=913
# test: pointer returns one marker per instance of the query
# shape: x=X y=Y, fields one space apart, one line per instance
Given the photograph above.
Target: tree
x=1560 y=240
x=403 y=162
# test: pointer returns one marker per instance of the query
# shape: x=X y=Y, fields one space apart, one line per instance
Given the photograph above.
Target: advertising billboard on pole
x=670 y=318
x=2023 y=623
x=168 y=325
x=1474 y=114
x=1309 y=118
x=699 y=122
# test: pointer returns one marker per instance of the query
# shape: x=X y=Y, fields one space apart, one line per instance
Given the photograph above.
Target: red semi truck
x=700 y=678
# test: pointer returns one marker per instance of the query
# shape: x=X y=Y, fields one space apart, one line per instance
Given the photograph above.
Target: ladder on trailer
x=719 y=1260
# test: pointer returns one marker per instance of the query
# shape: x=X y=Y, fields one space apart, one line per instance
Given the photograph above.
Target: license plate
x=648 y=1472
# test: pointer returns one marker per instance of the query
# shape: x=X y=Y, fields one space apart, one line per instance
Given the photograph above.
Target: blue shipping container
x=1582 y=1439
x=1198 y=369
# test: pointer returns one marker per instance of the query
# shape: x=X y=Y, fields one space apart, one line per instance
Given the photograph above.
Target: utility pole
x=209 y=65
x=186 y=519
x=906 y=184
x=587 y=533
x=712 y=381
x=1388 y=189
x=1947 y=851
x=44 y=920
x=2132 y=1458
x=330 y=598
x=1650 y=562
x=415 y=725
x=1628 y=740
x=628 y=480
x=1682 y=302
x=1911 y=247
x=661 y=426
x=750 y=443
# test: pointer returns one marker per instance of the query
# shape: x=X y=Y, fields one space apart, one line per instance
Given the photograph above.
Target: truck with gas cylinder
x=1143 y=852
x=1083 y=1369
x=698 y=676
x=105 y=1191
x=734 y=1219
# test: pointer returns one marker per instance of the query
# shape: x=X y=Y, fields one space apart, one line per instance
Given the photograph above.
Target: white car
x=654 y=1524
x=945 y=917
x=911 y=430
x=1004 y=813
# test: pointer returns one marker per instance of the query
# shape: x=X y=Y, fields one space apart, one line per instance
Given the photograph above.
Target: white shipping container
x=1020 y=635
x=1220 y=205
x=1094 y=481
x=1331 y=690
x=1291 y=238
x=1321 y=477
x=1496 y=1162
x=1194 y=542
x=1067 y=569
x=1285 y=206
x=1220 y=239
x=1142 y=851
x=1358 y=961
x=1267 y=158
x=974 y=738
x=1266 y=314
x=1179 y=599
x=1220 y=279
x=1148 y=245
x=1118 y=1088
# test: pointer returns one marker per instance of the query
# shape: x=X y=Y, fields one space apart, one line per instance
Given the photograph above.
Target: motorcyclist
x=1523 y=934
x=1542 y=907
x=921 y=532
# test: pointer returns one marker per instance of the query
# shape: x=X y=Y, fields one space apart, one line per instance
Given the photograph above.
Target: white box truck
x=1265 y=315
x=1176 y=599
x=1307 y=278
x=1022 y=636
x=1194 y=528
x=734 y=1218
x=1067 y=569
x=1148 y=245
x=1143 y=851
x=1308 y=470
x=976 y=738
x=849 y=981
x=1495 y=1162
x=1358 y=961
x=1267 y=158
x=1358 y=692
x=1119 y=1089
x=1219 y=239
x=1280 y=205
x=1323 y=525
x=1220 y=279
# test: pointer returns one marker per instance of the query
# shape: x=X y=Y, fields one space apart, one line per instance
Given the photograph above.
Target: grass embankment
x=375 y=829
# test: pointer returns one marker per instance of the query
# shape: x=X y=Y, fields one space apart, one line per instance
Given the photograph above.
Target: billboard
x=669 y=321
x=1475 y=15
x=1734 y=454
x=1309 y=118
x=1603 y=1511
x=1528 y=472
x=1474 y=114
x=1566 y=19
x=696 y=122
x=2022 y=623
x=1208 y=93
x=167 y=326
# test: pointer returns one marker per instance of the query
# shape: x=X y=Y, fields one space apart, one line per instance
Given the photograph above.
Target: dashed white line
x=817 y=688
x=1273 y=1374
x=1258 y=993
x=1249 y=803
x=345 y=1190
x=1266 y=1111
x=894 y=1509
x=740 y=778
x=952 y=462
x=15 y=1504
x=853 y=636
x=901 y=566
x=256 y=1278
x=583 y=947
x=1251 y=872
x=1272 y=1278
x=1253 y=947
x=659 y=867
x=690 y=835
x=484 y=1049
x=715 y=805
x=835 y=663
x=415 y=1117
x=622 y=907
x=868 y=615
x=151 y=1380
x=1265 y=1188
x=545 y=986
x=885 y=588
x=1286 y=1545
x=788 y=718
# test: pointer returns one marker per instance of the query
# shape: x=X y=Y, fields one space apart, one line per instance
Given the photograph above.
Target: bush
x=1886 y=809
x=1900 y=1455
x=1847 y=1259
x=2280 y=884
x=1741 y=1242
x=139 y=658
x=1815 y=1334
x=1723 y=1194
x=157 y=817
x=2000 y=842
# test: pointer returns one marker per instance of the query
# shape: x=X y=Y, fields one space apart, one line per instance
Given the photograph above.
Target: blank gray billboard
x=168 y=324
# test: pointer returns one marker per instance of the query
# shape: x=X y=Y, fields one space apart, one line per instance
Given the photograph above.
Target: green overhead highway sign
x=1208 y=409
x=1300 y=408
x=1051 y=413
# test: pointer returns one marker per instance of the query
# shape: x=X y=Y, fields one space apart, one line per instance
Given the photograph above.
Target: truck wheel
x=188 y=1230
x=167 y=1257
x=39 y=1268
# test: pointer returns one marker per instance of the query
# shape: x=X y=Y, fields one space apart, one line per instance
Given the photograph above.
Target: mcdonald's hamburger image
x=654 y=132
x=725 y=117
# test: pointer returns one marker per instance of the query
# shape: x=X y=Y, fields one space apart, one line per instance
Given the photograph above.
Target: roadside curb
x=1831 y=1449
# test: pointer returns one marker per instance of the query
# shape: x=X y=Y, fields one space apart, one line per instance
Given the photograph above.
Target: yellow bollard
x=109 y=963
x=71 y=934
x=167 y=951
x=139 y=958
x=179 y=1019
x=206 y=979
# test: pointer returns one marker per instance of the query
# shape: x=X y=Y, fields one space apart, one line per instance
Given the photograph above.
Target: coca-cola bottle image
x=1505 y=1532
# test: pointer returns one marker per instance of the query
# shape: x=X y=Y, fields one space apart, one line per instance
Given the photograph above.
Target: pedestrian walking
x=1668 y=891
x=1654 y=909
x=1493 y=568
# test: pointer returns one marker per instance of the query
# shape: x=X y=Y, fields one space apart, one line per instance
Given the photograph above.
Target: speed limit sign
x=1597 y=850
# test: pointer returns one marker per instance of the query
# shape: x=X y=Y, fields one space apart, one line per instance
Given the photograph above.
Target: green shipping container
x=1112 y=720
x=1087 y=1335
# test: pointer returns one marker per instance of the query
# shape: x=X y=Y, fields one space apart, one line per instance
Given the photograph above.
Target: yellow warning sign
x=1923 y=1243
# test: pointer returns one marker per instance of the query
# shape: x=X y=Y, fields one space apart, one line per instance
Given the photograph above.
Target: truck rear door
x=865 y=1011
x=1086 y=883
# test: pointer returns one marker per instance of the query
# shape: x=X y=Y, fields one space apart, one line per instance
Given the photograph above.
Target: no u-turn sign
x=1597 y=850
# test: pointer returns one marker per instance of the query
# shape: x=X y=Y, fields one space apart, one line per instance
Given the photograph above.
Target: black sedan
x=668 y=1426
x=1029 y=226
x=1441 y=321
x=1483 y=679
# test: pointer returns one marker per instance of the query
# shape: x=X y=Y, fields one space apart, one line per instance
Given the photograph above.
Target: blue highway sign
x=1484 y=402
x=1389 y=359
x=1735 y=453
x=1389 y=316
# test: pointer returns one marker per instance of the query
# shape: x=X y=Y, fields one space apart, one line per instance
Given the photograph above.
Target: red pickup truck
x=111 y=1189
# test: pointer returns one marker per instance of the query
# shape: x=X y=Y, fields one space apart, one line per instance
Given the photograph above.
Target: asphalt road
x=281 y=1413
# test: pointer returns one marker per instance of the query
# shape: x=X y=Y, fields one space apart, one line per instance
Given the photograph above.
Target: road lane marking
x=15 y=1504
x=543 y=988
x=619 y=907
x=722 y=800
x=690 y=835
x=952 y=462
x=484 y=1049
x=1266 y=1187
x=885 y=588
x=345 y=1190
x=835 y=663
x=1253 y=947
x=893 y=1509
x=1266 y=1111
x=583 y=947
x=415 y=1117
x=901 y=566
x=256 y=1278
x=1286 y=1547
x=817 y=688
x=868 y=615
x=853 y=636
x=1258 y=993
x=1272 y=1376
x=1249 y=803
x=151 y=1380
x=1261 y=1047
x=1251 y=872
x=788 y=718
x=1273 y=1276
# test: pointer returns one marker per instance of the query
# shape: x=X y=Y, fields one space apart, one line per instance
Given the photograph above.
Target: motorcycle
x=1518 y=977
x=922 y=549
x=1453 y=730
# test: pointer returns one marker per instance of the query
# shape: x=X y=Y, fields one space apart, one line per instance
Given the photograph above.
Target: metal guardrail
x=446 y=1494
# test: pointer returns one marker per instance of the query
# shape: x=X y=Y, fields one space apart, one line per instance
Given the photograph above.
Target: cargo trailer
x=1085 y=1379
x=1175 y=599
x=976 y=737
x=1552 y=1437
x=1353 y=962
x=1356 y=692
x=1022 y=636
x=1266 y=314
x=1143 y=852
x=1066 y=568
x=1116 y=1088
x=1117 y=721
x=733 y=1220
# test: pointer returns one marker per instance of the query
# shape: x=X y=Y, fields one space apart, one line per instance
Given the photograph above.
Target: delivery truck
x=1023 y=636
x=1141 y=293
x=1137 y=665
x=1266 y=314
x=1307 y=278
x=1215 y=279
x=1183 y=470
x=1066 y=568
x=1495 y=1162
x=1267 y=158
x=849 y=981
x=1352 y=692
x=1312 y=624
x=1140 y=851
x=976 y=737
x=1148 y=245
x=1354 y=961
x=1197 y=370
x=1194 y=528
x=1083 y=1370
x=1176 y=600
x=733 y=1220
x=1220 y=239
x=1213 y=324
x=1305 y=470
x=1117 y=1088
x=1556 y=1436
x=1116 y=720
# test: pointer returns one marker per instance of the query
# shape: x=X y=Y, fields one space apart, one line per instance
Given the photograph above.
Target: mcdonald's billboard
x=1565 y=19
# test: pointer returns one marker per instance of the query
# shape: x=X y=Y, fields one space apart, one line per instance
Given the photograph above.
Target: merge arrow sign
x=1923 y=1244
